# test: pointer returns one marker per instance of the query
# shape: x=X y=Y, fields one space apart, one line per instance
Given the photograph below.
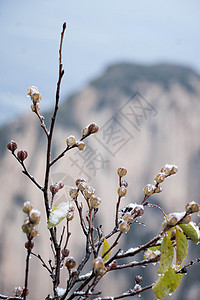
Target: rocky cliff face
x=148 y=116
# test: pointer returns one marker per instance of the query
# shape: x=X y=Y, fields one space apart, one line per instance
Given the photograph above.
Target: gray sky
x=99 y=33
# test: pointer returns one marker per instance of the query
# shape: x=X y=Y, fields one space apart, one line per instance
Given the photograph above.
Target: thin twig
x=43 y=263
x=127 y=294
x=24 y=171
x=27 y=271
x=41 y=118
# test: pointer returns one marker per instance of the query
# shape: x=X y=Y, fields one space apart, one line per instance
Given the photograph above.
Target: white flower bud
x=71 y=141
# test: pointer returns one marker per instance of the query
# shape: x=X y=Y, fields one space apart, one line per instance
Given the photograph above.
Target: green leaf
x=147 y=253
x=191 y=230
x=106 y=247
x=167 y=283
x=58 y=213
x=167 y=252
x=181 y=246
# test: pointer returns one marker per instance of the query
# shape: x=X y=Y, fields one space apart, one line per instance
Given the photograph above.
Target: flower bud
x=160 y=177
x=60 y=185
x=171 y=220
x=192 y=207
x=138 y=279
x=22 y=155
x=18 y=291
x=31 y=90
x=124 y=226
x=34 y=232
x=80 y=145
x=138 y=211
x=70 y=263
x=12 y=146
x=73 y=192
x=187 y=219
x=54 y=188
x=95 y=201
x=26 y=292
x=93 y=128
x=122 y=191
x=79 y=180
x=27 y=207
x=34 y=94
x=169 y=170
x=34 y=216
x=65 y=252
x=36 y=98
x=29 y=245
x=85 y=132
x=82 y=185
x=127 y=217
x=70 y=216
x=149 y=254
x=121 y=172
x=149 y=189
x=114 y=265
x=174 y=170
x=158 y=189
x=99 y=266
x=71 y=141
x=88 y=192
x=27 y=228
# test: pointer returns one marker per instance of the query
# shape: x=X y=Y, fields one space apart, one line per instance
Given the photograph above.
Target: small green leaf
x=58 y=213
x=154 y=251
x=167 y=283
x=106 y=247
x=167 y=252
x=191 y=230
x=181 y=246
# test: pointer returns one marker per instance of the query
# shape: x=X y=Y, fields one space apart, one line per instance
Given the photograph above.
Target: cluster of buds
x=165 y=172
x=99 y=266
x=88 y=193
x=173 y=219
x=54 y=188
x=71 y=142
x=122 y=190
x=169 y=170
x=90 y=129
x=21 y=154
x=30 y=223
x=192 y=207
x=131 y=211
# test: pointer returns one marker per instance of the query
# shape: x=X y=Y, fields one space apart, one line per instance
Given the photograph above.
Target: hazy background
x=99 y=33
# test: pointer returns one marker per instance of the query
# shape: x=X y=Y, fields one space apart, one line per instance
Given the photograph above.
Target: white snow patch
x=60 y=291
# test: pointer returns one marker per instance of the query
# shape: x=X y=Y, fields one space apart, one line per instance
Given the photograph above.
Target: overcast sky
x=99 y=33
